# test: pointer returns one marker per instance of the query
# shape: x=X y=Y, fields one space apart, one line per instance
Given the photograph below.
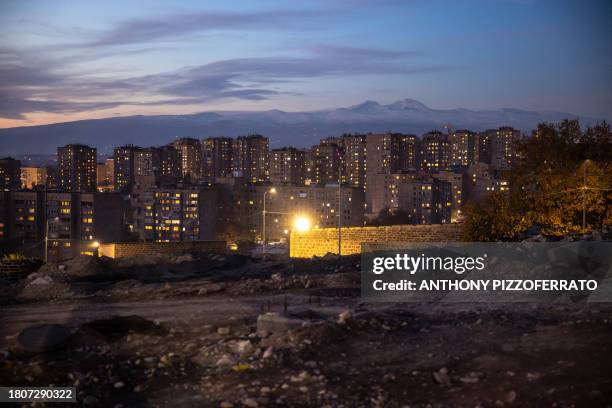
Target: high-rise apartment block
x=325 y=162
x=483 y=179
x=172 y=214
x=497 y=147
x=288 y=166
x=10 y=174
x=387 y=153
x=423 y=197
x=250 y=158
x=73 y=221
x=435 y=152
x=169 y=165
x=462 y=148
x=76 y=167
x=217 y=155
x=355 y=160
x=191 y=158
x=124 y=169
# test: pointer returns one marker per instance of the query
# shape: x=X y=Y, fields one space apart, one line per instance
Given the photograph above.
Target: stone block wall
x=321 y=241
x=127 y=249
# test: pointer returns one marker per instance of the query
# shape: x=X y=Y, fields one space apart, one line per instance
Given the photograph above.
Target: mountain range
x=298 y=129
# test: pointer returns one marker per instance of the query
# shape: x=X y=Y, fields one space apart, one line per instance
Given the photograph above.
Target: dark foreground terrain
x=230 y=331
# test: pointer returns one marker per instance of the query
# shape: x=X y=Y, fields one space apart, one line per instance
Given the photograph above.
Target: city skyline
x=65 y=61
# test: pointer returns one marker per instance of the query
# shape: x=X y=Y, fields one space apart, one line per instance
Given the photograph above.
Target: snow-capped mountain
x=298 y=129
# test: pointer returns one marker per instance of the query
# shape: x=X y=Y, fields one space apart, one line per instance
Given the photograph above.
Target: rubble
x=275 y=323
x=44 y=337
x=186 y=331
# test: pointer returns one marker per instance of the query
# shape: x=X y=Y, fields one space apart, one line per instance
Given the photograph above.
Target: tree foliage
x=559 y=172
x=493 y=220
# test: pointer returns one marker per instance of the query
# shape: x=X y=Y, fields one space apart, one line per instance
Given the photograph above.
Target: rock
x=44 y=337
x=244 y=348
x=510 y=397
x=226 y=404
x=345 y=317
x=119 y=384
x=268 y=353
x=250 y=402
x=441 y=377
x=224 y=331
x=90 y=400
x=225 y=361
x=533 y=376
x=274 y=323
x=471 y=378
x=42 y=280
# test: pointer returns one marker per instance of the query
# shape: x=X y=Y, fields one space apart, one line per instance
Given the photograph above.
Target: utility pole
x=263 y=221
x=339 y=210
x=47 y=241
x=584 y=191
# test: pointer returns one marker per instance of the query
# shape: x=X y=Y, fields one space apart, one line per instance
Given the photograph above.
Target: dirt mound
x=82 y=267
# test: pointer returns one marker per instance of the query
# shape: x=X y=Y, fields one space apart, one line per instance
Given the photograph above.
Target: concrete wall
x=320 y=241
x=126 y=249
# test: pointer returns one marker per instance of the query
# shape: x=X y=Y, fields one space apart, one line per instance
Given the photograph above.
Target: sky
x=64 y=60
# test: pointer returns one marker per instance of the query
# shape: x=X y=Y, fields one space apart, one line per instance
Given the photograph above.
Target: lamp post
x=584 y=188
x=339 y=211
x=47 y=238
x=263 y=221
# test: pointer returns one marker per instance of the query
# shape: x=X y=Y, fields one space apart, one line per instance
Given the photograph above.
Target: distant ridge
x=298 y=129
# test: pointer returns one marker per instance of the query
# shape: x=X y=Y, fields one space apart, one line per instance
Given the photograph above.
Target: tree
x=493 y=220
x=561 y=174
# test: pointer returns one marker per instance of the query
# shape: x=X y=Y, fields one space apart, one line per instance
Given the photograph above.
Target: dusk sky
x=67 y=60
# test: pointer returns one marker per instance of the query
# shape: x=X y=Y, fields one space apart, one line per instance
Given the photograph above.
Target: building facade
x=250 y=158
x=191 y=158
x=171 y=214
x=217 y=155
x=434 y=152
x=33 y=177
x=10 y=174
x=77 y=166
x=288 y=166
x=355 y=156
x=462 y=148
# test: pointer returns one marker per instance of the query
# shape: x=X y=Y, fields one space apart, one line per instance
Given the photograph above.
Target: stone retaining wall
x=127 y=249
x=321 y=241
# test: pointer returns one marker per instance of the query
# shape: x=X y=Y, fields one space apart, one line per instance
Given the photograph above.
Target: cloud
x=29 y=83
x=170 y=26
x=14 y=108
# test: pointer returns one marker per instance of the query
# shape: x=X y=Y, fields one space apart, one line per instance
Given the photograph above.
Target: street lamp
x=584 y=188
x=263 y=223
x=96 y=246
x=302 y=223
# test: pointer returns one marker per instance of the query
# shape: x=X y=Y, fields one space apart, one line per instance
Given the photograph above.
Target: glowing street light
x=302 y=224
x=95 y=244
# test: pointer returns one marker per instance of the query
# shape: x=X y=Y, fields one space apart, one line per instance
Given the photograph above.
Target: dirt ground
x=188 y=337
